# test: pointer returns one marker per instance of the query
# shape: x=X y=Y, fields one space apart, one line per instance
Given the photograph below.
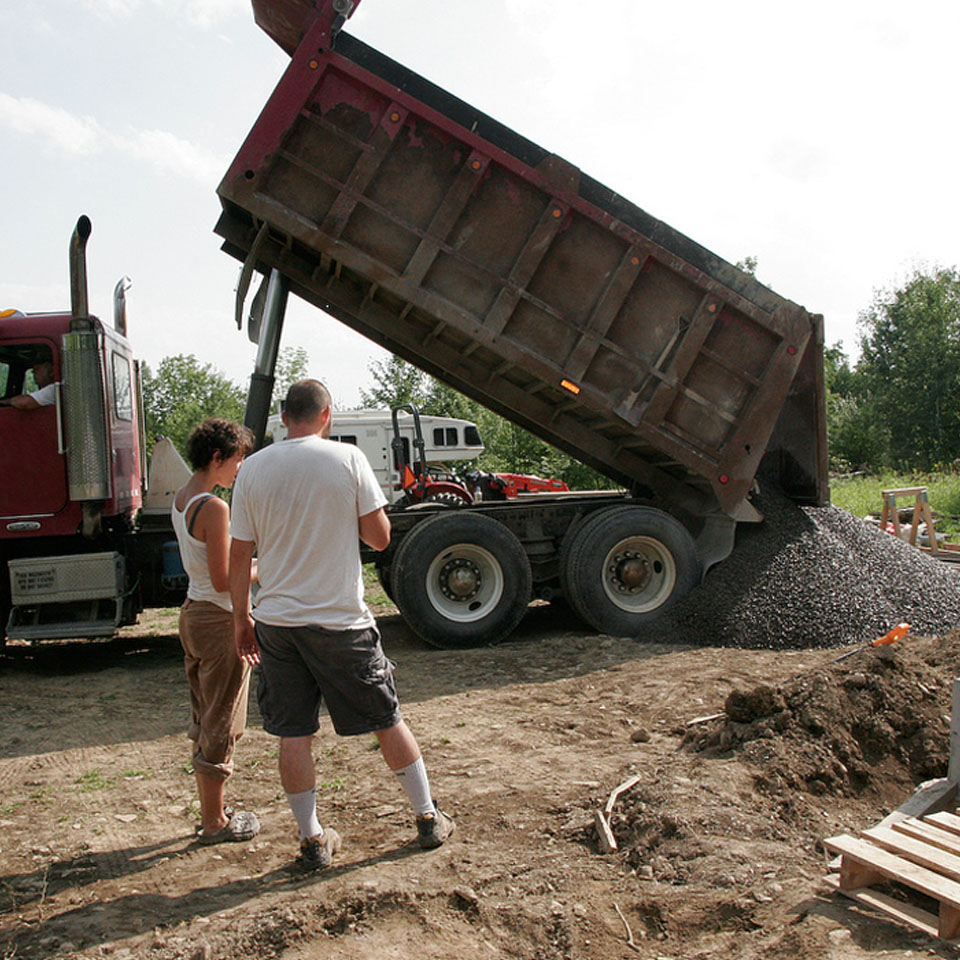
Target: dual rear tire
x=622 y=568
x=463 y=579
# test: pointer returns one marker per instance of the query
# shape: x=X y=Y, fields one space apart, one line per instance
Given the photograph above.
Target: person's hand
x=246 y=641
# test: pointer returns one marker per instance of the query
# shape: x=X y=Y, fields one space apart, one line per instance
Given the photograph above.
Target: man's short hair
x=41 y=355
x=306 y=400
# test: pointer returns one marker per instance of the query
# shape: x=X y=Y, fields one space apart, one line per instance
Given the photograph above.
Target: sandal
x=227 y=812
x=243 y=825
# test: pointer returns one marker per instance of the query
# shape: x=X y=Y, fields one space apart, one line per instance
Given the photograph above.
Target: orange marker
x=892 y=636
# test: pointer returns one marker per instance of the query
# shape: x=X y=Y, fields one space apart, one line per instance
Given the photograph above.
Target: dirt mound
x=816 y=577
x=832 y=748
x=873 y=723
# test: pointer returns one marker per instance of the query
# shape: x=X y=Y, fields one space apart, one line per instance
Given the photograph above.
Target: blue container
x=173 y=576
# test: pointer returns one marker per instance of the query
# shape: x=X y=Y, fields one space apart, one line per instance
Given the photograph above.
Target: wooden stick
x=626 y=785
x=626 y=925
x=706 y=719
x=608 y=842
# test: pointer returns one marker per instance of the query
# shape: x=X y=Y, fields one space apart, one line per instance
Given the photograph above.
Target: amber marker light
x=571 y=386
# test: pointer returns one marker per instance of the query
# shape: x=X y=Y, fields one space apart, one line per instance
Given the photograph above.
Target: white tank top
x=193 y=556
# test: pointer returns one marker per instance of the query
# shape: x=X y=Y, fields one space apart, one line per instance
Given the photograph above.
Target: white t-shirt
x=300 y=502
x=46 y=396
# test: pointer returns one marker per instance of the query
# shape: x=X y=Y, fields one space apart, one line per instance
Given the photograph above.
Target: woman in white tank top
x=218 y=678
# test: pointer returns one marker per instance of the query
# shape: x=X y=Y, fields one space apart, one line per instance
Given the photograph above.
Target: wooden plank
x=946 y=864
x=897 y=909
x=945 y=820
x=896 y=868
x=930 y=796
x=928 y=833
x=949 y=922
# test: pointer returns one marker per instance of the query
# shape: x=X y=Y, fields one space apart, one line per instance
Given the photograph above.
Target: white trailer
x=446 y=439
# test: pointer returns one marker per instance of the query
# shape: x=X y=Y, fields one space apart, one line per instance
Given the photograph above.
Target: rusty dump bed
x=503 y=271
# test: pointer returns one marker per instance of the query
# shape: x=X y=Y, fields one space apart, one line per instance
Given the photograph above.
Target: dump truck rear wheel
x=627 y=566
x=461 y=579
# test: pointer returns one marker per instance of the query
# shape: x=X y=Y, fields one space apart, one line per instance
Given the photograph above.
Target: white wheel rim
x=465 y=583
x=639 y=574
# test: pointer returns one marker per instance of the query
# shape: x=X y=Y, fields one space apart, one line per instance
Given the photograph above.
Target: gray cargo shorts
x=302 y=667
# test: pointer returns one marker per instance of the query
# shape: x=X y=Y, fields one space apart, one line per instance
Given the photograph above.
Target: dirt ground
x=720 y=852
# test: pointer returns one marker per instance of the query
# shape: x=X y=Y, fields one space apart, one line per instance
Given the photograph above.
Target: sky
x=820 y=138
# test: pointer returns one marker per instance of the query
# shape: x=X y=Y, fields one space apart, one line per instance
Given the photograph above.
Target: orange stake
x=891 y=636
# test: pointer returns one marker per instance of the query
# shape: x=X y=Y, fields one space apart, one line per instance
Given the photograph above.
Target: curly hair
x=216 y=435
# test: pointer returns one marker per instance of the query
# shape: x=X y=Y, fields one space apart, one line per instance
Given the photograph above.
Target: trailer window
x=445 y=437
x=344 y=438
x=471 y=437
x=122 y=394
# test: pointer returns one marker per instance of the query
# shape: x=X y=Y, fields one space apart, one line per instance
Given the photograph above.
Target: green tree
x=856 y=437
x=182 y=393
x=395 y=382
x=292 y=365
x=910 y=364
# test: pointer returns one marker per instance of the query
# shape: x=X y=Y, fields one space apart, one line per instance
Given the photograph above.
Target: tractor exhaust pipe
x=79 y=307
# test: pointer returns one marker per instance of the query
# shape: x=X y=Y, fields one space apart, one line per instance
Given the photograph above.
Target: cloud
x=168 y=153
x=82 y=135
x=71 y=134
x=200 y=13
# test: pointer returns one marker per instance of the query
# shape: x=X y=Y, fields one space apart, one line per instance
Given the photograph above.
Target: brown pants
x=219 y=681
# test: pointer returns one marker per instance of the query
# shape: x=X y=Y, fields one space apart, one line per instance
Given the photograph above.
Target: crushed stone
x=815 y=577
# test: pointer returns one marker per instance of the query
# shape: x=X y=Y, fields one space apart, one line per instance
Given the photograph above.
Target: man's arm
x=22 y=402
x=241 y=558
x=375 y=529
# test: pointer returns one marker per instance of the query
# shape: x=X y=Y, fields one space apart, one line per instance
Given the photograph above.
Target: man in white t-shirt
x=304 y=505
x=43 y=396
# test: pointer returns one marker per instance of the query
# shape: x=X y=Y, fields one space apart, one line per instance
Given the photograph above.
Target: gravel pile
x=816 y=577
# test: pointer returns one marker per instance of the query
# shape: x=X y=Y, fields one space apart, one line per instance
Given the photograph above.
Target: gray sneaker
x=434 y=828
x=317 y=853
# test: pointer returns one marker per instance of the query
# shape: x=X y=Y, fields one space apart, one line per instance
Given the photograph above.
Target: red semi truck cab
x=75 y=559
x=76 y=464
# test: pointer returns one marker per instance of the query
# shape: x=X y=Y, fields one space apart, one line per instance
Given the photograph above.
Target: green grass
x=864 y=495
x=374 y=594
x=92 y=780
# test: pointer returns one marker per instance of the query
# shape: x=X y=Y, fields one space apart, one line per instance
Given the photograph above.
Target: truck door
x=33 y=471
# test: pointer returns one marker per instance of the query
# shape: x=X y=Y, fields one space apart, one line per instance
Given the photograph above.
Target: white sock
x=304 y=807
x=416 y=786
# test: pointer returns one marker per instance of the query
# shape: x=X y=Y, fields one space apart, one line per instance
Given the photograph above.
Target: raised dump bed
x=505 y=272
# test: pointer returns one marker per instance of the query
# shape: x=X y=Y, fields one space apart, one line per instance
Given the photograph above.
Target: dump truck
x=84 y=546
x=504 y=271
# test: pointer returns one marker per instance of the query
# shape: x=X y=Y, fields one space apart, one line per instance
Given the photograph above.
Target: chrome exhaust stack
x=79 y=305
x=85 y=416
x=120 y=305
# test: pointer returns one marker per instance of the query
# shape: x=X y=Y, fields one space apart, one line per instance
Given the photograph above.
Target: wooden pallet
x=923 y=854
